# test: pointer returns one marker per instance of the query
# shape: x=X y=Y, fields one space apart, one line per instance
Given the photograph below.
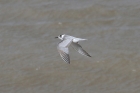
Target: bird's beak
x=56 y=37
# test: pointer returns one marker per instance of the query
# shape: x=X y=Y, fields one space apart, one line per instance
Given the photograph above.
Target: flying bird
x=66 y=41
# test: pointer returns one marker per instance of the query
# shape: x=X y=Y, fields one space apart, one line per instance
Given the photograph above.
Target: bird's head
x=61 y=37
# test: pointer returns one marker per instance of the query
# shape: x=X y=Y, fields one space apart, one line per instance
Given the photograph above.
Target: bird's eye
x=60 y=35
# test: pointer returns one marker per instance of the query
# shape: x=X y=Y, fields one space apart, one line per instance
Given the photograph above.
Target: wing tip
x=89 y=55
x=68 y=62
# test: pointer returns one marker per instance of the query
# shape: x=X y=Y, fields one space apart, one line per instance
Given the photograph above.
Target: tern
x=66 y=41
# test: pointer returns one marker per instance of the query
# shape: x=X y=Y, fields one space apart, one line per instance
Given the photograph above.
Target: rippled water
x=30 y=63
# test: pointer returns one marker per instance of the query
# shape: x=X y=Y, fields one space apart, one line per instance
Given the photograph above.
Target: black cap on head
x=60 y=35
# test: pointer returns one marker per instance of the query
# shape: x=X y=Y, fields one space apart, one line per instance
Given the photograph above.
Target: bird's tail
x=81 y=39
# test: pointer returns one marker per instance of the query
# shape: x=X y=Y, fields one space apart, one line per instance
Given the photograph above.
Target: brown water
x=30 y=63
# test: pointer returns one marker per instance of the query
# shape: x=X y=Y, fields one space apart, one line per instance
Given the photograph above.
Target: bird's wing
x=80 y=49
x=63 y=50
x=65 y=43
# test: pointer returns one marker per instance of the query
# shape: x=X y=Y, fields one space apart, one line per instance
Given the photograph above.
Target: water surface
x=30 y=63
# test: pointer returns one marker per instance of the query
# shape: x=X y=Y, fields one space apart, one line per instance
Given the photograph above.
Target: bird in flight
x=66 y=41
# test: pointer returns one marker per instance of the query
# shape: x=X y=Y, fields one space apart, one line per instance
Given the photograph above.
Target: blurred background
x=30 y=63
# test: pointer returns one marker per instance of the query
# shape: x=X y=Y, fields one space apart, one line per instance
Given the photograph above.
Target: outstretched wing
x=63 y=50
x=80 y=49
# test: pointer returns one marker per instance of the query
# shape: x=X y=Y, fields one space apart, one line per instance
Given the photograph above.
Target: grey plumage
x=80 y=49
x=66 y=42
x=63 y=49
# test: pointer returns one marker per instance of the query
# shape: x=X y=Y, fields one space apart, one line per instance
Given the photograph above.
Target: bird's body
x=66 y=41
